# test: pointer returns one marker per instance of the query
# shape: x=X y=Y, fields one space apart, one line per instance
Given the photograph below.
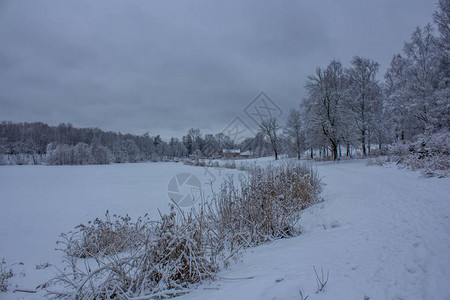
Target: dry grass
x=265 y=204
x=6 y=273
x=117 y=258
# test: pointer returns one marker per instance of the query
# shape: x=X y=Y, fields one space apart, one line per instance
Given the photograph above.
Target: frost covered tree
x=192 y=140
x=223 y=141
x=403 y=125
x=294 y=131
x=31 y=140
x=269 y=129
x=176 y=148
x=210 y=146
x=324 y=107
x=363 y=97
x=441 y=18
x=81 y=153
x=258 y=145
x=100 y=155
x=380 y=123
x=417 y=83
x=422 y=75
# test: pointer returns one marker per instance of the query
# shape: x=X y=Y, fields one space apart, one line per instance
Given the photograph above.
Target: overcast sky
x=165 y=66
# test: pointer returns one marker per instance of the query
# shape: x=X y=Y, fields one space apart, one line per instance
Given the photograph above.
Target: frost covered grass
x=5 y=274
x=163 y=258
x=101 y=237
x=265 y=204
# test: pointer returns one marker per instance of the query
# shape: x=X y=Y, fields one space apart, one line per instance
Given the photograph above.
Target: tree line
x=348 y=108
x=345 y=109
x=24 y=143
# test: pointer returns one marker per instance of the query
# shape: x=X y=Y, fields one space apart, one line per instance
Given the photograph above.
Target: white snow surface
x=382 y=233
x=38 y=203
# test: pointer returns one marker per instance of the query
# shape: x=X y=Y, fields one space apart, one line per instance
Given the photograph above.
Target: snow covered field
x=37 y=203
x=382 y=233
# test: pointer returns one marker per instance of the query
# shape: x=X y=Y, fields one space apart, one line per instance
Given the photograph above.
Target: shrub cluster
x=264 y=204
x=158 y=259
x=5 y=274
x=429 y=153
x=109 y=236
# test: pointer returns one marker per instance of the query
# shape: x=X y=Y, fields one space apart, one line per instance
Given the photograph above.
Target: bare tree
x=325 y=111
x=363 y=90
x=293 y=130
x=269 y=129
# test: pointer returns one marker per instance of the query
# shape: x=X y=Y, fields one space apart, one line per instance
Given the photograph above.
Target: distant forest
x=346 y=110
x=36 y=143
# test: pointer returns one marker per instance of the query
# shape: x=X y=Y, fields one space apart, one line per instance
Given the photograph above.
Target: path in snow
x=382 y=233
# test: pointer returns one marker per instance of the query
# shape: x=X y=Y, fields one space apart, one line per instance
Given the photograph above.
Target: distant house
x=230 y=153
x=246 y=154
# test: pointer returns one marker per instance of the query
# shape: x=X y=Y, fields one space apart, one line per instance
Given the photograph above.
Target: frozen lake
x=37 y=203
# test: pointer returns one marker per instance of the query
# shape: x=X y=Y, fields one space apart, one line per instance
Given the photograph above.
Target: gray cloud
x=164 y=67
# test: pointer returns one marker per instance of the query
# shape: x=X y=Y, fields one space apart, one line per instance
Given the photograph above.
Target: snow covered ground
x=37 y=203
x=382 y=233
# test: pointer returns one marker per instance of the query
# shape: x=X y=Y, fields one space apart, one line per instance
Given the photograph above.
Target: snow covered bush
x=5 y=273
x=229 y=165
x=379 y=160
x=80 y=154
x=156 y=259
x=429 y=153
x=265 y=204
x=159 y=259
x=22 y=159
x=109 y=236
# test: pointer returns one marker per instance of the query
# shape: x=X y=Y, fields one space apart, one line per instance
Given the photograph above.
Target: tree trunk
x=335 y=153
x=363 y=142
x=334 y=150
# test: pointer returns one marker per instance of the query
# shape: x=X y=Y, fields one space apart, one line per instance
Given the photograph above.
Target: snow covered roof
x=234 y=151
x=247 y=153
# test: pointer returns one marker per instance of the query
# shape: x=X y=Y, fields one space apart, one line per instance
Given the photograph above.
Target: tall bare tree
x=293 y=130
x=363 y=91
x=269 y=128
x=324 y=106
